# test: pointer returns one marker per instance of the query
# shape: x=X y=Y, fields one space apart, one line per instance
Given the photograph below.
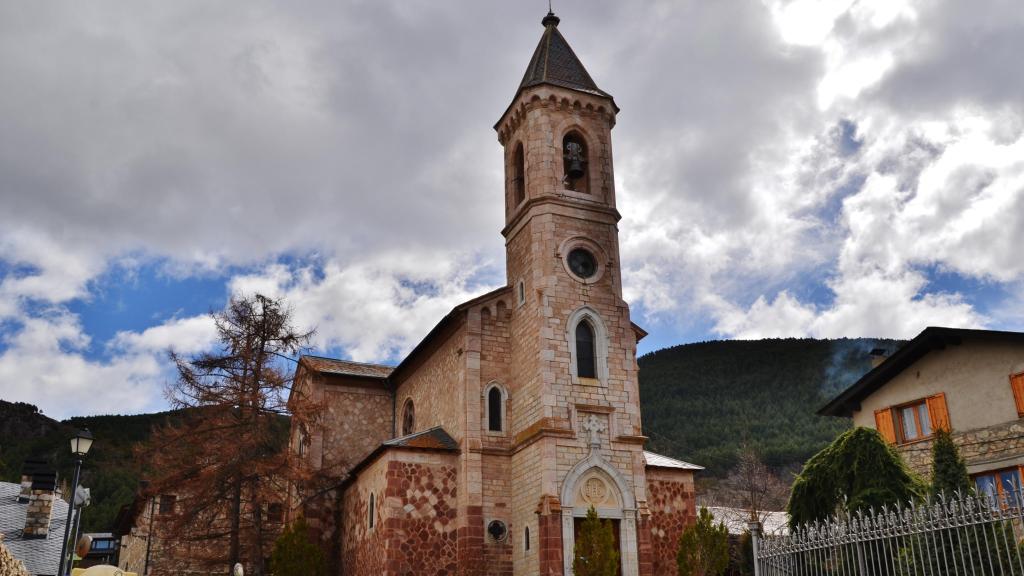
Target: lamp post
x=80 y=444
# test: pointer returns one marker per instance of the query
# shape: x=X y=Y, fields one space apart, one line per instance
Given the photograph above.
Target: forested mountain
x=109 y=470
x=701 y=402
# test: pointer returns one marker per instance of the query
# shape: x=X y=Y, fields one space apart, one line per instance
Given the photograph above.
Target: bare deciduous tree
x=754 y=486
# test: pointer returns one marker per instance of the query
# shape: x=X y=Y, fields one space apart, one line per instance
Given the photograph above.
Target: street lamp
x=80 y=445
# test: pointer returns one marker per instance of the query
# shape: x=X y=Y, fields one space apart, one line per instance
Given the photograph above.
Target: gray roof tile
x=42 y=555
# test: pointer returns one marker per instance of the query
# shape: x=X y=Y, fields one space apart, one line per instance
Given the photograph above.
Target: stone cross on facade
x=594 y=426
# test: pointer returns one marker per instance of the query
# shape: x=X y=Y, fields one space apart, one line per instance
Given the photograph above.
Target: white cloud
x=376 y=310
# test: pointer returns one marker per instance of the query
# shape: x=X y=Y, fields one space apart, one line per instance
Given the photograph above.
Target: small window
x=526 y=538
x=585 y=356
x=521 y=292
x=408 y=418
x=913 y=421
x=275 y=513
x=1002 y=486
x=518 y=175
x=167 y=502
x=494 y=423
x=372 y=509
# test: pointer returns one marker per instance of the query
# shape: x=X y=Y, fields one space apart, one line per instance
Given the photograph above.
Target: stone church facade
x=481 y=451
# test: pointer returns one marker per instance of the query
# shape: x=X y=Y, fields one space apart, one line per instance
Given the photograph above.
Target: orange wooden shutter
x=937 y=412
x=1017 y=384
x=883 y=421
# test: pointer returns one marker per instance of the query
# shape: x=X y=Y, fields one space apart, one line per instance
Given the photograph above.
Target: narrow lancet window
x=518 y=175
x=408 y=418
x=585 y=356
x=494 y=423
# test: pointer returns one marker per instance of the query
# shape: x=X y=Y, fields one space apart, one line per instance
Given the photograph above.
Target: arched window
x=575 y=164
x=408 y=418
x=371 y=509
x=494 y=423
x=518 y=175
x=585 y=353
x=526 y=538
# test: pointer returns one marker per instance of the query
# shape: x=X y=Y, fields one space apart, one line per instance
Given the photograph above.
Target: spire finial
x=550 y=19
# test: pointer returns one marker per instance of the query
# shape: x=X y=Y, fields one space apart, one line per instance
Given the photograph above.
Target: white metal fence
x=967 y=535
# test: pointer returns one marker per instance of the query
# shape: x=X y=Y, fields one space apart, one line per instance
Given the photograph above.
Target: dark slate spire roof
x=555 y=63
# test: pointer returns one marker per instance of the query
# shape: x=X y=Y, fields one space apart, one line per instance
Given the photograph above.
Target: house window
x=585 y=354
x=518 y=175
x=1002 y=486
x=494 y=406
x=275 y=513
x=408 y=418
x=167 y=502
x=372 y=509
x=914 y=423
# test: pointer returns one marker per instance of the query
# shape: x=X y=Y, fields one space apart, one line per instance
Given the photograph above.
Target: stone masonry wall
x=414 y=531
x=670 y=500
x=989 y=448
x=421 y=505
x=435 y=388
x=363 y=549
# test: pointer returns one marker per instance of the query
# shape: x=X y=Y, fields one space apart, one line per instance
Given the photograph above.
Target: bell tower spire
x=572 y=346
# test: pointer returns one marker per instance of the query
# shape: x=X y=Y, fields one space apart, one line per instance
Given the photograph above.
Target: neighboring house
x=968 y=381
x=482 y=451
x=102 y=550
x=32 y=519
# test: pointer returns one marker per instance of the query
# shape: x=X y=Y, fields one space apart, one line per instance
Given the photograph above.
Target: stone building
x=970 y=382
x=481 y=450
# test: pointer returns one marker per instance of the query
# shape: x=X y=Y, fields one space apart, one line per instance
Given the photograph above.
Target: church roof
x=345 y=367
x=659 y=461
x=554 y=62
x=433 y=439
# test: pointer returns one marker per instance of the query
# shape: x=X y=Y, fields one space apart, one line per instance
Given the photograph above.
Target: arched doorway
x=594 y=482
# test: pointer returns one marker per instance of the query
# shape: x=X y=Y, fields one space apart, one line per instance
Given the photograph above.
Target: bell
x=574 y=154
x=575 y=169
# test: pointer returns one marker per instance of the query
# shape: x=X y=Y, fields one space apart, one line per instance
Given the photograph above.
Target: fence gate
x=963 y=535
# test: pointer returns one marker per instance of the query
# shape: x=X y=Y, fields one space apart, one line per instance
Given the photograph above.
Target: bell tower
x=574 y=407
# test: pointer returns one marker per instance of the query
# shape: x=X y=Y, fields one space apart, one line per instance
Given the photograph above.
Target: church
x=482 y=450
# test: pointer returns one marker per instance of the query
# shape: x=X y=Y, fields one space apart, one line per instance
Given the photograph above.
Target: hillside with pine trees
x=702 y=402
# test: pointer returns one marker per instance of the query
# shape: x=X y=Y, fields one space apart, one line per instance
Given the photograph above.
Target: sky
x=784 y=168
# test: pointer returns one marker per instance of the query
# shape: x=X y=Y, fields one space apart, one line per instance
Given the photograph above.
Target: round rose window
x=582 y=263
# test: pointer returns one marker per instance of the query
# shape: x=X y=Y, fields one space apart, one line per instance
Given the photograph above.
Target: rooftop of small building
x=346 y=367
x=930 y=339
x=736 y=519
x=659 y=461
x=40 y=555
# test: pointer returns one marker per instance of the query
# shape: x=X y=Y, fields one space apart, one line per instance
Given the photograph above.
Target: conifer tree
x=225 y=461
x=703 y=547
x=595 y=553
x=295 y=555
x=949 y=471
x=857 y=471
